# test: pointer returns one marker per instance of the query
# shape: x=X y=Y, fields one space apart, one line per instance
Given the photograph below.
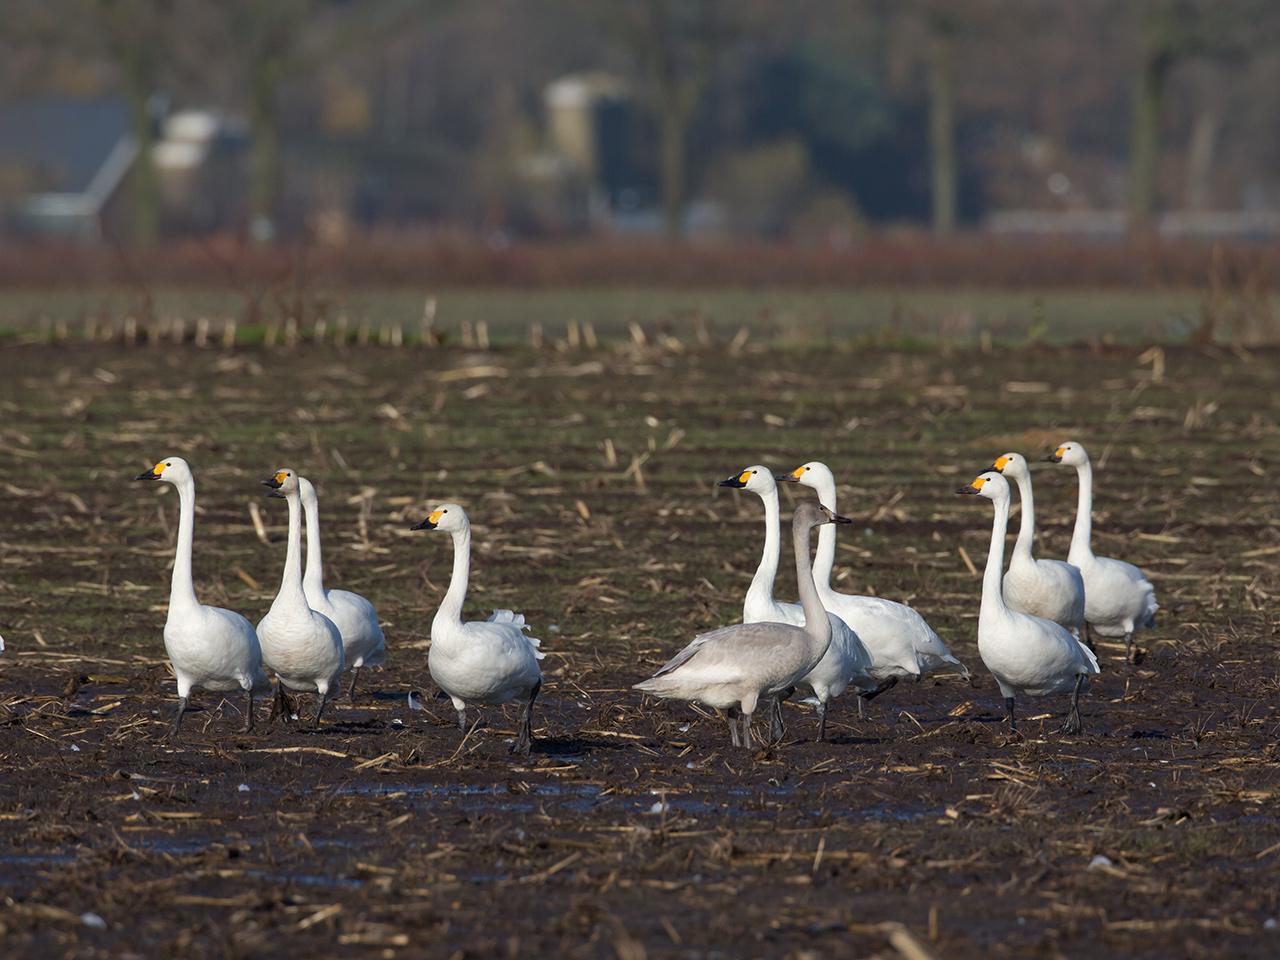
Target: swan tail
x=507 y=616
x=947 y=663
x=660 y=686
x=1149 y=614
x=517 y=620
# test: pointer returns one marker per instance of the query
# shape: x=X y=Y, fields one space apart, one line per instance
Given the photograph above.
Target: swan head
x=991 y=485
x=170 y=470
x=757 y=479
x=812 y=474
x=448 y=516
x=1012 y=465
x=282 y=483
x=810 y=514
x=1070 y=453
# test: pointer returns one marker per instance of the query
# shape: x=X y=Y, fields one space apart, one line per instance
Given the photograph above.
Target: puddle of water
x=582 y=798
x=306 y=879
x=37 y=859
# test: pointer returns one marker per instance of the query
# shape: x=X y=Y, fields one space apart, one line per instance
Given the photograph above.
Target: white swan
x=1027 y=655
x=363 y=644
x=209 y=647
x=1052 y=589
x=1118 y=599
x=901 y=643
x=479 y=661
x=846 y=661
x=302 y=647
x=734 y=668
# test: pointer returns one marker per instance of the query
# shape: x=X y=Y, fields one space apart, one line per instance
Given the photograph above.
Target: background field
x=633 y=830
x=813 y=317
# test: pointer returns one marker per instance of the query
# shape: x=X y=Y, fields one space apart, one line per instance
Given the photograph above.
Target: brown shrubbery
x=885 y=259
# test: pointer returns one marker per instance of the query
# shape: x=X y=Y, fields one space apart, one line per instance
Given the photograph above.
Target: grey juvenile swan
x=734 y=668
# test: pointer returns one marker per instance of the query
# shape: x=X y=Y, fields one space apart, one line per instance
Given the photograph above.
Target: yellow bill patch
x=744 y=476
x=435 y=516
x=798 y=472
x=280 y=476
x=1060 y=452
x=159 y=468
x=1001 y=463
x=978 y=482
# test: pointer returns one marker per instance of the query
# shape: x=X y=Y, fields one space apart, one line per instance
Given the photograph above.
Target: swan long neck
x=451 y=605
x=313 y=576
x=182 y=591
x=992 y=597
x=816 y=623
x=1027 y=526
x=761 y=590
x=825 y=560
x=1080 y=537
x=291 y=580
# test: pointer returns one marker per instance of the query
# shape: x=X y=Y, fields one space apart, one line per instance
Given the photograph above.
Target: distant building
x=594 y=134
x=65 y=166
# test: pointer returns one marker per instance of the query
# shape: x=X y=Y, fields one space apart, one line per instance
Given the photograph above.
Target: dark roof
x=61 y=142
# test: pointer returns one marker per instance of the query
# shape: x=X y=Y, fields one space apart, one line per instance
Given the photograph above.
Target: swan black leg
x=248 y=711
x=1073 y=718
x=281 y=707
x=177 y=719
x=351 y=690
x=1008 y=708
x=822 y=721
x=315 y=724
x=778 y=729
x=732 y=715
x=462 y=719
x=746 y=730
x=524 y=743
x=1087 y=637
x=1128 y=647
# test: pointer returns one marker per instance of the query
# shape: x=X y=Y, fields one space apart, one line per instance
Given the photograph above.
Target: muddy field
x=633 y=830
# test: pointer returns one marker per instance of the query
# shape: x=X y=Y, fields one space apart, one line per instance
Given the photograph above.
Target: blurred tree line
x=794 y=117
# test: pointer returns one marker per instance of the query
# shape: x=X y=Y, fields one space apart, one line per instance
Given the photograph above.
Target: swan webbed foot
x=177 y=720
x=281 y=706
x=1073 y=724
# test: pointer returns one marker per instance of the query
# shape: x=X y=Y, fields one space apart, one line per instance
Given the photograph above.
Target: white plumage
x=1027 y=655
x=488 y=661
x=847 y=661
x=1041 y=587
x=208 y=647
x=901 y=643
x=301 y=646
x=363 y=644
x=1118 y=599
x=734 y=668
